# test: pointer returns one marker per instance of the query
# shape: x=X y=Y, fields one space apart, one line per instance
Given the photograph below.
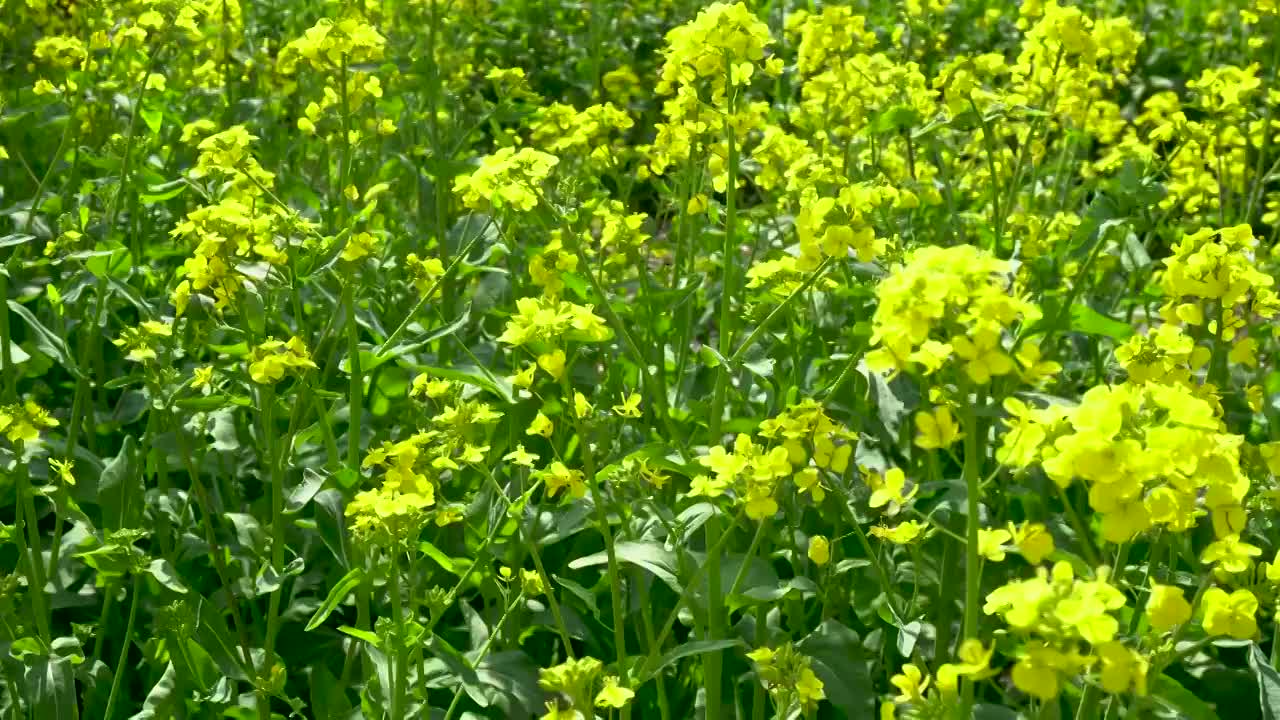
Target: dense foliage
x=633 y=358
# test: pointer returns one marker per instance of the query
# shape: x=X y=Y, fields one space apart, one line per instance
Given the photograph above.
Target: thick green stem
x=712 y=661
x=268 y=399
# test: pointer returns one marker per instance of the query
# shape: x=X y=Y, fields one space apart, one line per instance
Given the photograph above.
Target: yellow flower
x=1033 y=541
x=202 y=377
x=902 y=534
x=558 y=477
x=936 y=430
x=911 y=684
x=581 y=407
x=705 y=486
x=63 y=470
x=888 y=488
x=630 y=407
x=524 y=378
x=613 y=695
x=541 y=425
x=553 y=363
x=521 y=457
x=1120 y=668
x=1232 y=615
x=1167 y=607
x=991 y=543
x=809 y=689
x=1230 y=554
x=819 y=550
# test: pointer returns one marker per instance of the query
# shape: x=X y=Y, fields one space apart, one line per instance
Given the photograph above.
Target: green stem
x=124 y=648
x=355 y=392
x=602 y=523
x=268 y=399
x=713 y=661
x=400 y=677
x=973 y=456
x=484 y=650
x=25 y=510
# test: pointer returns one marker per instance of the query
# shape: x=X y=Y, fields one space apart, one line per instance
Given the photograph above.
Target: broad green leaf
x=1172 y=693
x=336 y=595
x=329 y=523
x=162 y=192
x=328 y=698
x=303 y=492
x=116 y=488
x=1085 y=319
x=651 y=556
x=689 y=649
x=165 y=574
x=1268 y=683
x=49 y=342
x=164 y=699
x=362 y=635
x=839 y=663
x=51 y=689
x=15 y=239
x=475 y=376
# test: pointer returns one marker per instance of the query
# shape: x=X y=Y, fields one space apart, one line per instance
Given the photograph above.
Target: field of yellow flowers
x=576 y=359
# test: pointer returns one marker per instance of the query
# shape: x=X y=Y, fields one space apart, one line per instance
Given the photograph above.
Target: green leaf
x=154 y=118
x=898 y=117
x=164 y=191
x=337 y=594
x=162 y=701
x=689 y=649
x=651 y=556
x=303 y=492
x=1182 y=699
x=1085 y=319
x=15 y=239
x=49 y=342
x=444 y=561
x=115 y=487
x=328 y=698
x=329 y=523
x=268 y=580
x=839 y=663
x=363 y=635
x=1268 y=683
x=51 y=689
x=475 y=376
x=164 y=574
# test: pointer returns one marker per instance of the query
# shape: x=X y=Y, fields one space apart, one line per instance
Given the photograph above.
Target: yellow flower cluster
x=552 y=321
x=508 y=178
x=272 y=359
x=564 y=130
x=140 y=342
x=788 y=675
x=1219 y=266
x=575 y=681
x=387 y=517
x=23 y=423
x=803 y=433
x=722 y=39
x=1059 y=612
x=1151 y=455
x=943 y=303
x=328 y=46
